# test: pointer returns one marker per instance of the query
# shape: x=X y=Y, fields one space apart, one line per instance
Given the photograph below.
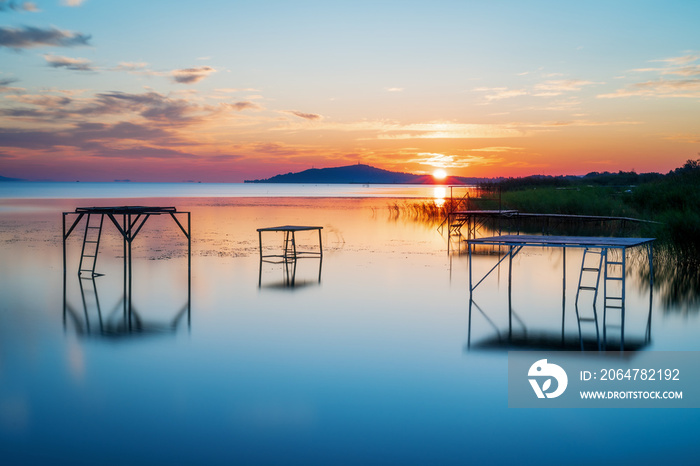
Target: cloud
x=130 y=66
x=685 y=59
x=72 y=3
x=29 y=36
x=5 y=85
x=664 y=88
x=550 y=88
x=497 y=149
x=557 y=87
x=452 y=161
x=230 y=90
x=305 y=116
x=498 y=93
x=41 y=100
x=141 y=152
x=449 y=131
x=394 y=89
x=683 y=66
x=192 y=75
x=685 y=138
x=74 y=64
x=16 y=6
x=152 y=106
x=124 y=140
x=244 y=105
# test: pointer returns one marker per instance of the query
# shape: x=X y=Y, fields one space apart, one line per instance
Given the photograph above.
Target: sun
x=439 y=174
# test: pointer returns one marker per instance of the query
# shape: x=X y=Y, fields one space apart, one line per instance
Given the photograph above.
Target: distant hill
x=360 y=174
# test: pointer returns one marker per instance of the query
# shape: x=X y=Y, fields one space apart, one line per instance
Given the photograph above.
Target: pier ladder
x=591 y=268
x=614 y=292
x=91 y=246
x=589 y=280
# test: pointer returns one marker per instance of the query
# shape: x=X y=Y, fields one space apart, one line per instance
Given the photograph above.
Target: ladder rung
x=587 y=319
x=87 y=241
x=607 y=306
x=614 y=263
x=614 y=278
x=613 y=297
x=590 y=269
x=88 y=255
x=588 y=288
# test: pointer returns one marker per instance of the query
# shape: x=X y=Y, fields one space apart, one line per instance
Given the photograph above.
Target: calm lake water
x=372 y=357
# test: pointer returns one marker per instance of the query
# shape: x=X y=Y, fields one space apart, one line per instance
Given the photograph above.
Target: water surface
x=370 y=358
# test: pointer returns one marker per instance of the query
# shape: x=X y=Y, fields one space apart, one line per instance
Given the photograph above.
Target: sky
x=226 y=91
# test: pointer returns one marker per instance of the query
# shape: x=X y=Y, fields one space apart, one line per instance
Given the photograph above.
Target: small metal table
x=290 y=247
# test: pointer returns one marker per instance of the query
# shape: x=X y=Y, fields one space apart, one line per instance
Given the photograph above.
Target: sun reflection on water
x=439 y=195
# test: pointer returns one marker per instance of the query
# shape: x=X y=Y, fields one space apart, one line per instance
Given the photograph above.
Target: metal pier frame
x=290 y=247
x=133 y=218
x=515 y=243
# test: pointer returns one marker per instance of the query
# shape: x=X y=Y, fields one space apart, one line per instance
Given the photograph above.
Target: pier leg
x=471 y=289
x=124 y=260
x=320 y=243
x=64 y=271
x=650 y=256
x=510 y=301
x=563 y=293
x=129 y=273
x=260 y=243
x=622 y=319
x=189 y=271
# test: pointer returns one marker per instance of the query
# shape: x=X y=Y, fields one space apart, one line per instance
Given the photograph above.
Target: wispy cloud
x=394 y=89
x=305 y=116
x=5 y=85
x=18 y=6
x=679 y=61
x=131 y=66
x=52 y=101
x=232 y=90
x=72 y=3
x=448 y=130
x=664 y=87
x=452 y=161
x=243 y=105
x=151 y=106
x=499 y=93
x=549 y=88
x=29 y=36
x=192 y=75
x=497 y=149
x=560 y=86
x=75 y=64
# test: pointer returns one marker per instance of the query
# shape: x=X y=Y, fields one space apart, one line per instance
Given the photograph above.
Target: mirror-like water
x=373 y=356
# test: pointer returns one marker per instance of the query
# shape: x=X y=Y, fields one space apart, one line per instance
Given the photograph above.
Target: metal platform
x=609 y=266
x=290 y=251
x=128 y=220
x=561 y=241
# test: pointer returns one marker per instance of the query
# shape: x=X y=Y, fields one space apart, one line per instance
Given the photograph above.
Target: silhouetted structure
x=290 y=254
x=290 y=246
x=611 y=264
x=128 y=220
